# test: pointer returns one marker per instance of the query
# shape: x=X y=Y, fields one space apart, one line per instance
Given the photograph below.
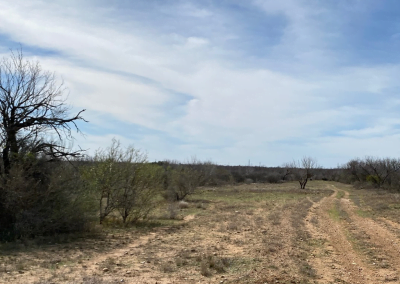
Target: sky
x=236 y=82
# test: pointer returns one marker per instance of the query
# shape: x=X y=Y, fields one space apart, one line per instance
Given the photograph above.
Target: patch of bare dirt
x=246 y=234
x=355 y=249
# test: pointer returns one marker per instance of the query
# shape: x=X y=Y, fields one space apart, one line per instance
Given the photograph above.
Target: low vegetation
x=224 y=233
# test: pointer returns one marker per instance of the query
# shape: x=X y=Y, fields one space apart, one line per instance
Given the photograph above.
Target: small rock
x=128 y=272
x=105 y=269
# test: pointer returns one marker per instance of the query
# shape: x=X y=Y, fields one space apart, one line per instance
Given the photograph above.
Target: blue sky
x=227 y=81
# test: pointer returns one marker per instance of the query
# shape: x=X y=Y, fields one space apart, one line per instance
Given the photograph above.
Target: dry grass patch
x=377 y=203
x=245 y=233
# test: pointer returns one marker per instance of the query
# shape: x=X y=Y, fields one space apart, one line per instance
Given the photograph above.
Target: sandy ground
x=244 y=234
x=339 y=259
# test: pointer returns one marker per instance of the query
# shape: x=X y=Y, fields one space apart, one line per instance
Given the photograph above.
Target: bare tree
x=206 y=170
x=302 y=169
x=307 y=165
x=32 y=107
x=288 y=170
x=376 y=171
x=32 y=111
x=353 y=169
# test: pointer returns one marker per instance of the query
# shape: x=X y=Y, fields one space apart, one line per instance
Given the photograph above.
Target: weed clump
x=168 y=267
x=212 y=262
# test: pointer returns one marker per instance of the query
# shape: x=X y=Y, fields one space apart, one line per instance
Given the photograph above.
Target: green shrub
x=373 y=179
x=180 y=182
x=123 y=182
x=42 y=199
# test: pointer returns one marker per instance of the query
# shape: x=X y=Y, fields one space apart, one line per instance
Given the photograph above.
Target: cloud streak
x=198 y=78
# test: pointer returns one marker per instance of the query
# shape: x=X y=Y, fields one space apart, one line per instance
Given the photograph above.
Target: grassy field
x=250 y=233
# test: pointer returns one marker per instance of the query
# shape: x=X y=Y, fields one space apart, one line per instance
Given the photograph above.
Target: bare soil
x=256 y=233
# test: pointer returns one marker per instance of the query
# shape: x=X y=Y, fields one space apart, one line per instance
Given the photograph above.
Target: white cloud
x=194 y=42
x=188 y=87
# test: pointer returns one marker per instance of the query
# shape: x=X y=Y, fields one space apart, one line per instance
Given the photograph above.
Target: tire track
x=336 y=260
x=385 y=244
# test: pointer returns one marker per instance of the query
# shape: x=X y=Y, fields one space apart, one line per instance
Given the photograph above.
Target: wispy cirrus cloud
x=268 y=81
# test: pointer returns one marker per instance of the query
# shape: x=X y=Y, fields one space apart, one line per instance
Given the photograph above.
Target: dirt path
x=247 y=234
x=355 y=249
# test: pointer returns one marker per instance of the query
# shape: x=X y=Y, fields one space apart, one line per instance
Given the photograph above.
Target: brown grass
x=251 y=233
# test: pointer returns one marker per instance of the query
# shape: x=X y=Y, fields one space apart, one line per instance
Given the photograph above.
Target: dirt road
x=355 y=249
x=257 y=233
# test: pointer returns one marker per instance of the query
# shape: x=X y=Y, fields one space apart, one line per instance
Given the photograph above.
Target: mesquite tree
x=379 y=172
x=302 y=170
x=123 y=181
x=32 y=108
x=34 y=122
x=307 y=164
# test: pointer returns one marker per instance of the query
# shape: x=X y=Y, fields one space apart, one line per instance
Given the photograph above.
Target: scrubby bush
x=42 y=198
x=238 y=177
x=220 y=177
x=180 y=182
x=137 y=196
x=273 y=178
x=373 y=179
x=370 y=171
x=123 y=182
